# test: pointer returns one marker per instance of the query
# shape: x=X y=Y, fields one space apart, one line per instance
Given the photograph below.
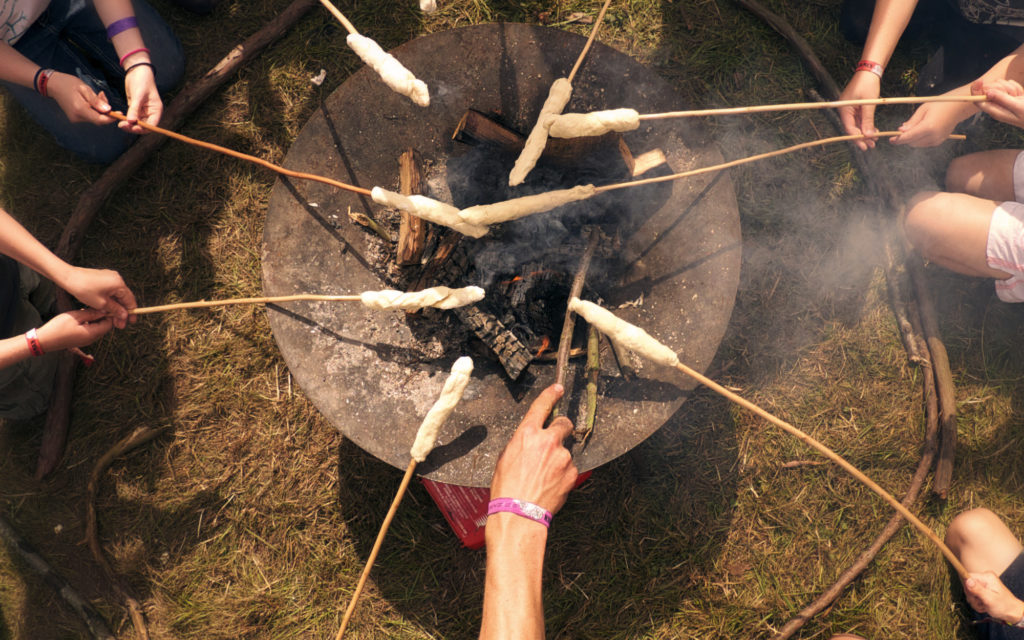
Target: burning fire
x=529 y=275
x=544 y=344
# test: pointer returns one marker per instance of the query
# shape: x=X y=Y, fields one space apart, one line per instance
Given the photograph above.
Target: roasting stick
x=117 y=115
x=437 y=297
x=804 y=106
x=451 y=393
x=392 y=72
x=760 y=156
x=640 y=341
x=558 y=96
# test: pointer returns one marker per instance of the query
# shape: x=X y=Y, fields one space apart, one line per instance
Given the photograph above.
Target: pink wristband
x=521 y=508
x=33 y=342
x=132 y=53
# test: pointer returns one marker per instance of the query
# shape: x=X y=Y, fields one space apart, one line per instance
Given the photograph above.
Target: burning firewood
x=558 y=97
x=391 y=71
x=426 y=436
x=436 y=297
x=644 y=344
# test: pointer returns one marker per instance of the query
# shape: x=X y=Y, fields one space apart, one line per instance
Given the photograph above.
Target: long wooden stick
x=376 y=547
x=339 y=15
x=200 y=304
x=834 y=457
x=117 y=115
x=760 y=156
x=806 y=106
x=590 y=40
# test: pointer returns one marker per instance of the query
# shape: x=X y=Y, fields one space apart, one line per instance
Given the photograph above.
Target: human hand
x=932 y=123
x=864 y=85
x=1005 y=100
x=144 y=101
x=73 y=329
x=986 y=593
x=102 y=289
x=535 y=465
x=78 y=101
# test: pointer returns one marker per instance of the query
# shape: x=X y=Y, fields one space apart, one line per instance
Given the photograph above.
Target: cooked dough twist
x=451 y=393
x=391 y=71
x=485 y=214
x=595 y=123
x=558 y=97
x=626 y=334
x=437 y=297
x=429 y=209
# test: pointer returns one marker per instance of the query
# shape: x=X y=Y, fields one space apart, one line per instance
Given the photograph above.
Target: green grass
x=252 y=517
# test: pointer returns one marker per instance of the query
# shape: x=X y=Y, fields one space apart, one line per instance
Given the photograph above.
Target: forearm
x=129 y=40
x=16 y=68
x=888 y=22
x=513 y=605
x=13 y=350
x=16 y=242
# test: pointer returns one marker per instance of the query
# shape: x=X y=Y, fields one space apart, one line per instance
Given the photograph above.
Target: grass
x=251 y=518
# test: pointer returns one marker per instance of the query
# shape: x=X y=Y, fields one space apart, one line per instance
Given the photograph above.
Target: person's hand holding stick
x=531 y=481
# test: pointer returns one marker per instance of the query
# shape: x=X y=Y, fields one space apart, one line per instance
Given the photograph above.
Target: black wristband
x=35 y=79
x=141 y=64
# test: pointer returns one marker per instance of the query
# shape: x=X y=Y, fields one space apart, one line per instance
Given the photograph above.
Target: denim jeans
x=69 y=37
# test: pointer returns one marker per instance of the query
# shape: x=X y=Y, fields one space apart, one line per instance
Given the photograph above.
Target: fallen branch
x=137 y=438
x=21 y=547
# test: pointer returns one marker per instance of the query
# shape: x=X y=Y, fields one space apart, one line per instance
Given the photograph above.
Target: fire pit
x=668 y=258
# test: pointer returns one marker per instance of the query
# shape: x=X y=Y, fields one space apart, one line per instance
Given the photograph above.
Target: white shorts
x=1005 y=250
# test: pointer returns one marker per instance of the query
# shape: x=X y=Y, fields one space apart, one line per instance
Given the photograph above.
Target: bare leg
x=987 y=174
x=982 y=541
x=951 y=229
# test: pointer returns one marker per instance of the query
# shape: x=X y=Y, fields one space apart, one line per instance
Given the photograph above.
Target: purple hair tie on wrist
x=121 y=25
x=521 y=508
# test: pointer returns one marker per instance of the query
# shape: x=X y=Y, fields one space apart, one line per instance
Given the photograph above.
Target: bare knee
x=970 y=527
x=918 y=221
x=960 y=172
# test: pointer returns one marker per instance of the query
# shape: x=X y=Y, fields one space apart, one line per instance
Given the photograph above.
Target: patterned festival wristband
x=33 y=343
x=873 y=67
x=120 y=26
x=522 y=508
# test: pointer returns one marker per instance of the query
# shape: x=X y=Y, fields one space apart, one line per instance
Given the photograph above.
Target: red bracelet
x=44 y=79
x=873 y=67
x=132 y=53
x=33 y=343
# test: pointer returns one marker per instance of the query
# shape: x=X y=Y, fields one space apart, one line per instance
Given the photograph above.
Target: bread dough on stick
x=428 y=6
x=628 y=335
x=451 y=393
x=390 y=70
x=437 y=297
x=486 y=214
x=429 y=209
x=558 y=97
x=595 y=123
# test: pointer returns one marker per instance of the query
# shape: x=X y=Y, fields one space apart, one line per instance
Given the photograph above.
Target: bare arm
x=144 y=101
x=933 y=122
x=888 y=22
x=99 y=288
x=537 y=468
x=71 y=329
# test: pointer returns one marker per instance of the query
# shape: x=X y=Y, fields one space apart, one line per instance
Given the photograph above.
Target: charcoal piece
x=513 y=354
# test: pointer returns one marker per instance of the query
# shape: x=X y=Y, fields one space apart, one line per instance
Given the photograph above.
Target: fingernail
x=559 y=388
